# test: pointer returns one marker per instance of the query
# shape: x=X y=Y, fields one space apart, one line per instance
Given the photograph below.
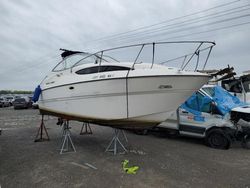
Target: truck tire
x=218 y=139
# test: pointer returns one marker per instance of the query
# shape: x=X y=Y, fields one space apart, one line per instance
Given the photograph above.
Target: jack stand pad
x=115 y=142
x=66 y=139
x=86 y=129
x=41 y=133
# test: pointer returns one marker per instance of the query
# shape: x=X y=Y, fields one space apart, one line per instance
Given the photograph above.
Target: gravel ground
x=163 y=161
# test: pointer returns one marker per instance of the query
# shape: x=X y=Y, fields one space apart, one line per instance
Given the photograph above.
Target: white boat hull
x=136 y=102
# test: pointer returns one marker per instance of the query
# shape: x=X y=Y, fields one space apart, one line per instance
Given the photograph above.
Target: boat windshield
x=69 y=61
x=81 y=58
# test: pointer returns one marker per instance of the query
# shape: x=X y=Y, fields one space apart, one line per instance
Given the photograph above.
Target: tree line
x=4 y=92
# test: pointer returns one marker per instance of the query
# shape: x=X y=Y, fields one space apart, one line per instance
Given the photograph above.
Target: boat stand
x=66 y=139
x=86 y=129
x=42 y=129
x=116 y=142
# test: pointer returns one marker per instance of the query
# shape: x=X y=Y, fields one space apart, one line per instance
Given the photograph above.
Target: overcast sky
x=31 y=32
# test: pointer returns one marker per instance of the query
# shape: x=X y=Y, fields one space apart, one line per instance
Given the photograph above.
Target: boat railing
x=202 y=46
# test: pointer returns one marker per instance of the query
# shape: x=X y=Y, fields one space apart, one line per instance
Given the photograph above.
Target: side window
x=199 y=103
x=96 y=69
x=113 y=68
x=204 y=105
x=89 y=70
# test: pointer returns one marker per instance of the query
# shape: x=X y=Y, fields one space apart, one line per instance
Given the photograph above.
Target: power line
x=190 y=28
x=179 y=24
x=208 y=31
x=186 y=22
x=140 y=37
x=178 y=18
x=166 y=21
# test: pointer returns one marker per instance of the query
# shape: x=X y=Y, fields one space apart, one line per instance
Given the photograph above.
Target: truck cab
x=210 y=113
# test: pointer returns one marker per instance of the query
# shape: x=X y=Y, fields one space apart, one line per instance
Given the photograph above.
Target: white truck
x=214 y=114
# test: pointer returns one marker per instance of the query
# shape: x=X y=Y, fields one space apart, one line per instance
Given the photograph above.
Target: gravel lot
x=163 y=161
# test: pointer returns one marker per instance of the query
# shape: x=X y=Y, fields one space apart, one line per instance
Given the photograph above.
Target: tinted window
x=20 y=100
x=96 y=69
x=113 y=68
x=89 y=70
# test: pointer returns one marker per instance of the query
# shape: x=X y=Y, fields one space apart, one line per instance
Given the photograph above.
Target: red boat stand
x=42 y=129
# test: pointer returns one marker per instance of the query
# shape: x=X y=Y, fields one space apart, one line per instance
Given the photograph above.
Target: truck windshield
x=209 y=91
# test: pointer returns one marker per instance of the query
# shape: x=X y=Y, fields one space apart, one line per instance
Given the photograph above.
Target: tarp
x=224 y=101
x=37 y=93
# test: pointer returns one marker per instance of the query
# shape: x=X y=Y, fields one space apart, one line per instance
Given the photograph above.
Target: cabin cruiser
x=100 y=89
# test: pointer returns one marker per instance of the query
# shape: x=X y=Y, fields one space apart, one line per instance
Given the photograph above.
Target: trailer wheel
x=218 y=139
x=246 y=142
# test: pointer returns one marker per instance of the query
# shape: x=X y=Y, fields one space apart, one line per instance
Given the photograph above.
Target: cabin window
x=96 y=69
x=89 y=70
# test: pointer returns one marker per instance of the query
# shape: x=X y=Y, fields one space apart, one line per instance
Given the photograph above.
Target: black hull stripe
x=113 y=95
x=123 y=78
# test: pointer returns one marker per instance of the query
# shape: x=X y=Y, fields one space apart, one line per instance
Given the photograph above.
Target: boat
x=100 y=89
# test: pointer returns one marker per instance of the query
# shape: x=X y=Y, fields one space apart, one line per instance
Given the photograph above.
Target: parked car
x=21 y=103
x=1 y=102
x=10 y=99
x=4 y=102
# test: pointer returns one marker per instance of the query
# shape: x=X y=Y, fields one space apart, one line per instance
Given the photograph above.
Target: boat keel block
x=116 y=143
